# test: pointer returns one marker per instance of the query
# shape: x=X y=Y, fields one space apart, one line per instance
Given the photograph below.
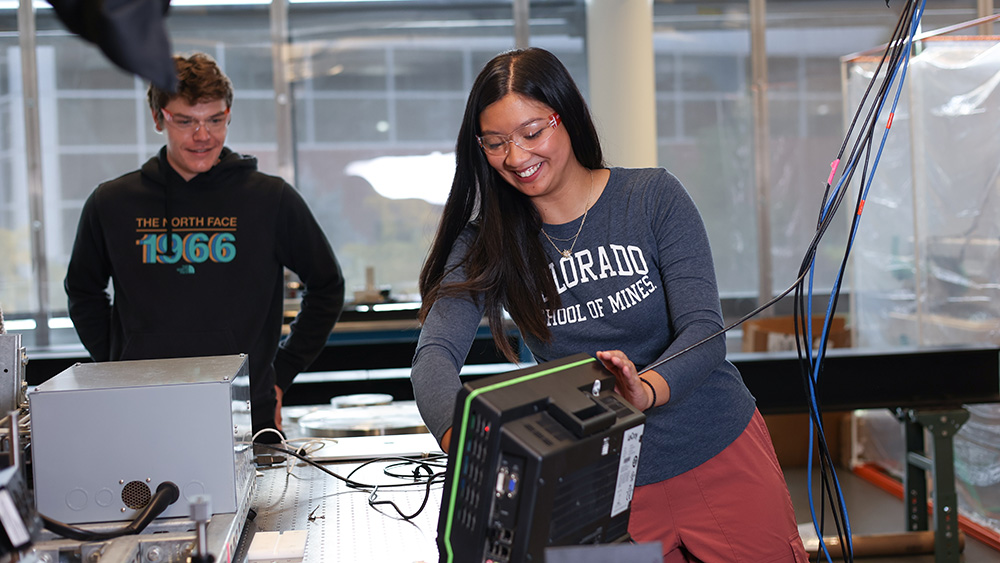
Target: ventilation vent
x=583 y=497
x=474 y=456
x=136 y=495
x=612 y=402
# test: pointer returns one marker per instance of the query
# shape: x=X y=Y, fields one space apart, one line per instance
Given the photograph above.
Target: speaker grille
x=136 y=495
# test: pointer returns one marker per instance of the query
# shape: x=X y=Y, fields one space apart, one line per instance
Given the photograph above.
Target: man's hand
x=279 y=395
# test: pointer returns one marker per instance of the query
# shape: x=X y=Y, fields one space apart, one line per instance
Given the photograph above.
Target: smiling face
x=543 y=173
x=193 y=150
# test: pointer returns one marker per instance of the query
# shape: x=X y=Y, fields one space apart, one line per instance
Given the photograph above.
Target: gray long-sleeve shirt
x=640 y=279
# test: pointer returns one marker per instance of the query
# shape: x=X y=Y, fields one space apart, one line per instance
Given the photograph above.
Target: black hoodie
x=220 y=290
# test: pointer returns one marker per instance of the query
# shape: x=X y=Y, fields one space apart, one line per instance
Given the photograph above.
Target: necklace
x=569 y=251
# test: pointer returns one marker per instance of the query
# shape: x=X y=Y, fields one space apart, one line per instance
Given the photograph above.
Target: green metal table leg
x=941 y=425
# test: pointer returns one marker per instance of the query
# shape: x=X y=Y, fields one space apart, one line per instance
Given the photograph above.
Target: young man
x=195 y=244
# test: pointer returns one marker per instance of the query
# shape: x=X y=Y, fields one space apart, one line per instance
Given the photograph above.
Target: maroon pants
x=733 y=507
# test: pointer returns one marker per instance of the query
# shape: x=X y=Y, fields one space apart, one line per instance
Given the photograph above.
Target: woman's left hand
x=627 y=382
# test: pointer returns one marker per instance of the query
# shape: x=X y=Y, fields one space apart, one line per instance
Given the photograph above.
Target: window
x=378 y=92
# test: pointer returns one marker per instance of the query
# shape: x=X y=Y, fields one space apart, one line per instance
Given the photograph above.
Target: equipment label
x=627 y=466
x=10 y=519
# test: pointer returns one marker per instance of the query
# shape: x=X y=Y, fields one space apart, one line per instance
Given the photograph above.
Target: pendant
x=565 y=253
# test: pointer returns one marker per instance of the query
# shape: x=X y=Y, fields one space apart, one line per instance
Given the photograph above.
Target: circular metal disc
x=361 y=400
x=377 y=420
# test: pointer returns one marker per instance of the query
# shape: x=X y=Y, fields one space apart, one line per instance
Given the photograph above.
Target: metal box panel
x=105 y=435
x=12 y=360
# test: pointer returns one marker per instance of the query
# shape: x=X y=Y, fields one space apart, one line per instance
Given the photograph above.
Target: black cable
x=812 y=368
x=166 y=494
x=895 y=51
x=431 y=479
x=415 y=473
x=422 y=463
x=373 y=489
x=347 y=480
x=437 y=477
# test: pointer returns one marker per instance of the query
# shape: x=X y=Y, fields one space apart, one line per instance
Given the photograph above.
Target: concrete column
x=522 y=24
x=761 y=152
x=984 y=8
x=622 y=85
x=283 y=98
x=33 y=155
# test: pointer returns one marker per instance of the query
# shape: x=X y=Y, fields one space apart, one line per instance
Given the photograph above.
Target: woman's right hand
x=627 y=382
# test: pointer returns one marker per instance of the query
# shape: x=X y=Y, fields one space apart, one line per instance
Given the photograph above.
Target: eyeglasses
x=528 y=137
x=214 y=124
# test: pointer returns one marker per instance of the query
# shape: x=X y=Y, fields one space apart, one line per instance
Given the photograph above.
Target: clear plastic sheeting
x=927 y=255
x=977 y=465
x=878 y=439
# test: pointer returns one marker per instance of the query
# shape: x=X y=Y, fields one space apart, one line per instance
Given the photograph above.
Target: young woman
x=610 y=261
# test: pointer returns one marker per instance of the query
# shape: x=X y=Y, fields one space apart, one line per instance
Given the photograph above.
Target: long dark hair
x=505 y=266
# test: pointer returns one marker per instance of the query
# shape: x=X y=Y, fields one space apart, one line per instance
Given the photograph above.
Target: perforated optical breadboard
x=341 y=525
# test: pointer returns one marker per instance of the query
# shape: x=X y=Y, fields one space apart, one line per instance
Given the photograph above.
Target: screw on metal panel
x=148 y=480
x=94 y=557
x=121 y=481
x=123 y=509
x=154 y=554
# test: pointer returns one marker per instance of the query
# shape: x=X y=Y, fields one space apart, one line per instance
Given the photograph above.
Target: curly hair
x=199 y=79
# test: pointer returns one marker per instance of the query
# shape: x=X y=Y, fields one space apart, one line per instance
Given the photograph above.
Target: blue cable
x=820 y=353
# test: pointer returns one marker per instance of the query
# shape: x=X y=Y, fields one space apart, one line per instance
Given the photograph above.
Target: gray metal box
x=12 y=361
x=105 y=435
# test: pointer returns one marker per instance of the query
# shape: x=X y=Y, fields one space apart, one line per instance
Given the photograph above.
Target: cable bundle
x=863 y=131
x=895 y=61
x=423 y=471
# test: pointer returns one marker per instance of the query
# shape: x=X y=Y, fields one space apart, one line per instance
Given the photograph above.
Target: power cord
x=166 y=494
x=425 y=464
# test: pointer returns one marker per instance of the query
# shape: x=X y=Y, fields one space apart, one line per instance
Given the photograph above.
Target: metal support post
x=941 y=425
